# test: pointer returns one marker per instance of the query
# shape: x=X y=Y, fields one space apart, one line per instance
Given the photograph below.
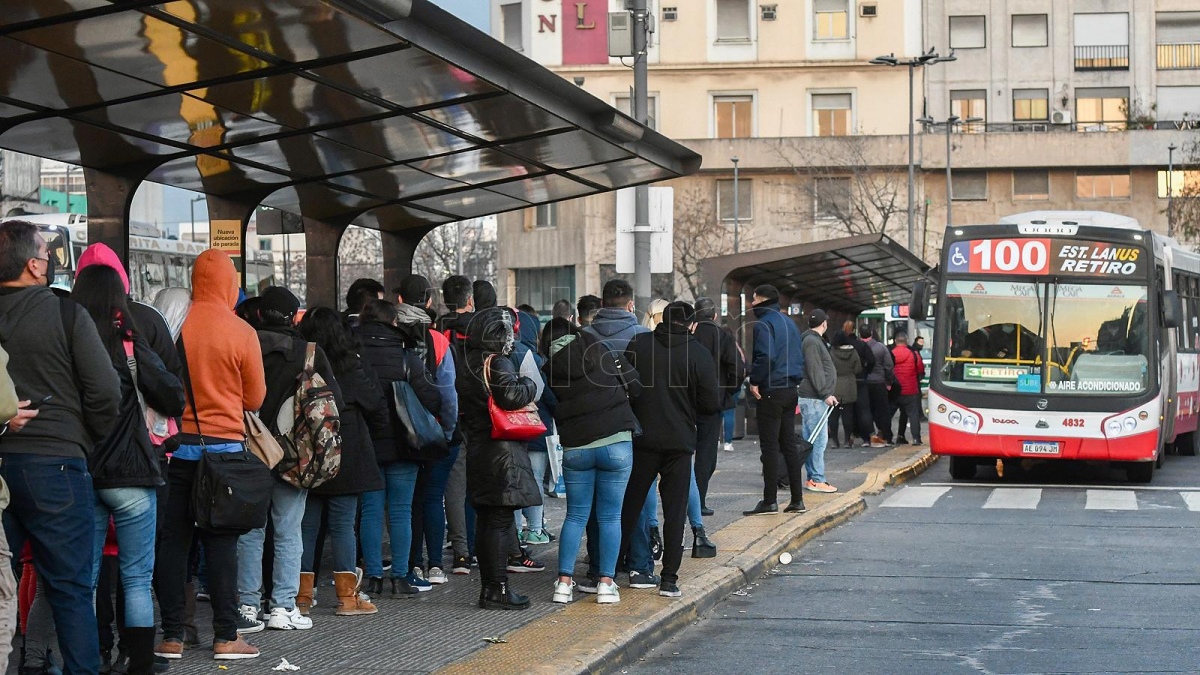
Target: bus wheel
x=962 y=468
x=1139 y=472
x=1186 y=444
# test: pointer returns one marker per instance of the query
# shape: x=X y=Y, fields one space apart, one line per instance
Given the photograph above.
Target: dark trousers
x=674 y=472
x=845 y=414
x=53 y=508
x=494 y=534
x=108 y=611
x=865 y=421
x=171 y=565
x=708 y=436
x=776 y=437
x=881 y=409
x=910 y=415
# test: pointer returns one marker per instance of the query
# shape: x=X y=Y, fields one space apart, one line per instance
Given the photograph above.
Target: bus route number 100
x=1004 y=256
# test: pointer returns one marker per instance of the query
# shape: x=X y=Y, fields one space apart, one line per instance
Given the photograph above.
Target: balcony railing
x=1102 y=57
x=1179 y=56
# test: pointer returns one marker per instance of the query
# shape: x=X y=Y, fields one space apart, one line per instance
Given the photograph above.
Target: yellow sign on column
x=226 y=235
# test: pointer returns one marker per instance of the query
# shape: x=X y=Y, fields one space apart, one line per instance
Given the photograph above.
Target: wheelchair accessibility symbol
x=958 y=260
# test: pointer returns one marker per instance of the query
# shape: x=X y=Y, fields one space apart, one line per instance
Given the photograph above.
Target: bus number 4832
x=1073 y=422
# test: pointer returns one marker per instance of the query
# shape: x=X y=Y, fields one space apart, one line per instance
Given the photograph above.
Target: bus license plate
x=1040 y=448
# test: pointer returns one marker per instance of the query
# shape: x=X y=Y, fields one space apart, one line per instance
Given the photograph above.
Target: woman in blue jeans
x=595 y=425
x=124 y=464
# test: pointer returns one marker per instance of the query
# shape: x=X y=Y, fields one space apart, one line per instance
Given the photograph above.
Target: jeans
x=728 y=420
x=493 y=538
x=811 y=410
x=343 y=510
x=708 y=430
x=134 y=510
x=287 y=514
x=693 y=504
x=535 y=515
x=400 y=481
x=429 y=530
x=777 y=436
x=910 y=415
x=599 y=475
x=52 y=506
x=171 y=561
x=672 y=470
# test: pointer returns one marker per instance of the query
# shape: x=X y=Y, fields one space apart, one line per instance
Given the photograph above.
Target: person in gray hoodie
x=816 y=397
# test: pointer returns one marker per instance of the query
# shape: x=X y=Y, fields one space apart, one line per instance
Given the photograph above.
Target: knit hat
x=281 y=300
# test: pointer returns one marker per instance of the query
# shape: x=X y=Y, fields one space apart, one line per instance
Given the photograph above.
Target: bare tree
x=1183 y=211
x=700 y=233
x=467 y=247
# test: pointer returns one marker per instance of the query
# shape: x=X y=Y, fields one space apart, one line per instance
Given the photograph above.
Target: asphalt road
x=1066 y=569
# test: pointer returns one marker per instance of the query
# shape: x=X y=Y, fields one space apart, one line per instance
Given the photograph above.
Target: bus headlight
x=955 y=417
x=971 y=423
x=1124 y=424
x=1113 y=427
x=1130 y=424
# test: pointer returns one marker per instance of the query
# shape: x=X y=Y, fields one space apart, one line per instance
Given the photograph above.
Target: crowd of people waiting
x=440 y=427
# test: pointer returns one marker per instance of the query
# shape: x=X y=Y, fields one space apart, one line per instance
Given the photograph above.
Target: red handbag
x=523 y=424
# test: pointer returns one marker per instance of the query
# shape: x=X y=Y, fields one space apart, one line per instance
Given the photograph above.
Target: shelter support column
x=321 y=241
x=227 y=223
x=399 y=248
x=109 y=197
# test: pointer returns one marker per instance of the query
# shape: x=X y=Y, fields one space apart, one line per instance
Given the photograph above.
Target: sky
x=474 y=12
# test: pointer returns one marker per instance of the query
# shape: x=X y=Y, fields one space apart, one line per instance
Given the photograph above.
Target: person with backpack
x=384 y=353
x=223 y=378
x=364 y=413
x=458 y=295
x=289 y=362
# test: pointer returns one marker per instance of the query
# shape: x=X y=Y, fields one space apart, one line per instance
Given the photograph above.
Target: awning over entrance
x=846 y=275
x=327 y=109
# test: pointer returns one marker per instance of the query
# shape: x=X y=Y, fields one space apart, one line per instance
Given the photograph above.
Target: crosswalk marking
x=919 y=497
x=1111 y=500
x=1192 y=499
x=1014 y=498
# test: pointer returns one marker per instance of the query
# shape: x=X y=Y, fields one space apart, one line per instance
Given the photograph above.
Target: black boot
x=402 y=589
x=374 y=586
x=656 y=543
x=701 y=546
x=498 y=595
x=140 y=644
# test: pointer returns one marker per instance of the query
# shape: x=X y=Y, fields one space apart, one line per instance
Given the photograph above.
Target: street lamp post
x=950 y=122
x=192 y=208
x=1171 y=188
x=928 y=58
x=736 y=210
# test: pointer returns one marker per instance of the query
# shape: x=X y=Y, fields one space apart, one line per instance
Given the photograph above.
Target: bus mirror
x=1172 y=309
x=918 y=306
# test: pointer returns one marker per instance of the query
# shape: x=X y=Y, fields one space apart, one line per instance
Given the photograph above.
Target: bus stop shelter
x=388 y=114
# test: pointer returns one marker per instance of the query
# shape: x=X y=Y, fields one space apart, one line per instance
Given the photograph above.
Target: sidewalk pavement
x=443 y=630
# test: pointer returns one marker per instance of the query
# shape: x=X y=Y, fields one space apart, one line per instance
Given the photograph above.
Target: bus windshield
x=1058 y=337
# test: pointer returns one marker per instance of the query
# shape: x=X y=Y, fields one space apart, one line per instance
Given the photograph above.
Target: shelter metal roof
x=327 y=108
x=850 y=274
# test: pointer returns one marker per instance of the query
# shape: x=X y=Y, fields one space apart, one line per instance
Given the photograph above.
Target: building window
x=624 y=104
x=1176 y=104
x=1101 y=108
x=1031 y=104
x=1031 y=185
x=1102 y=185
x=969 y=186
x=1029 y=30
x=1178 y=38
x=1183 y=183
x=968 y=32
x=1102 y=41
x=745 y=205
x=733 y=116
x=968 y=103
x=510 y=21
x=264 y=243
x=541 y=287
x=831 y=114
x=831 y=199
x=545 y=216
x=831 y=20
x=733 y=20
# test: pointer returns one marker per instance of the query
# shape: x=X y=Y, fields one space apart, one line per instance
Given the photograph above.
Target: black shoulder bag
x=232 y=490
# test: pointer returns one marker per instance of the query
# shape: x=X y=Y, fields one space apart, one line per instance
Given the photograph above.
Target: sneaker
x=288 y=619
x=607 y=594
x=729 y=447
x=917 y=441
x=588 y=584
x=523 y=563
x=231 y=650
x=462 y=565
x=416 y=579
x=900 y=440
x=642 y=579
x=563 y=592
x=813 y=486
x=436 y=576
x=202 y=594
x=247 y=620
x=878 y=442
x=537 y=537
x=169 y=649
x=669 y=590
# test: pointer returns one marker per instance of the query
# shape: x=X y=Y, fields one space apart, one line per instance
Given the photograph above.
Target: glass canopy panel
x=623 y=173
x=471 y=203
x=42 y=78
x=477 y=166
x=306 y=155
x=497 y=119
x=426 y=79
x=319 y=201
x=396 y=182
x=181 y=118
x=400 y=138
x=395 y=217
x=20 y=11
x=569 y=150
x=215 y=175
x=61 y=139
x=290 y=100
x=548 y=188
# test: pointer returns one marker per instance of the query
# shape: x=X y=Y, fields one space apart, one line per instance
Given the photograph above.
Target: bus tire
x=1139 y=472
x=962 y=468
x=1186 y=444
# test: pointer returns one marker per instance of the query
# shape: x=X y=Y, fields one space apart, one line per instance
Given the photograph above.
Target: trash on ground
x=495 y=640
x=785 y=558
x=285 y=666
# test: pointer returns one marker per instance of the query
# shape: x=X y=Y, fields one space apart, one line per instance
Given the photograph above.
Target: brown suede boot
x=304 y=598
x=350 y=603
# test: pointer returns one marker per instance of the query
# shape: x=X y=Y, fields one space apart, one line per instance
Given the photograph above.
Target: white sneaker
x=607 y=594
x=436 y=576
x=729 y=447
x=564 y=592
x=288 y=619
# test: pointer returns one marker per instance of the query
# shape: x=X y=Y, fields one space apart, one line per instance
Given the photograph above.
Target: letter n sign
x=545 y=22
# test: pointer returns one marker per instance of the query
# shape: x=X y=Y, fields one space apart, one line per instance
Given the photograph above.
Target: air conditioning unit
x=670 y=13
x=1034 y=126
x=1060 y=117
x=868 y=10
x=769 y=12
x=1040 y=127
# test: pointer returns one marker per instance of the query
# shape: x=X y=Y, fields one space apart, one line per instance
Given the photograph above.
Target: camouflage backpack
x=308 y=428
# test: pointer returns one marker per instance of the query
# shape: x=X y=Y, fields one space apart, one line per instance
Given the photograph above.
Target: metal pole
x=641 y=220
x=911 y=160
x=192 y=208
x=458 y=257
x=736 y=206
x=949 y=175
x=1170 y=189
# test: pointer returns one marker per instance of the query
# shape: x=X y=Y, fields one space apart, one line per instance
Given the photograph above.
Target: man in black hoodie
x=731 y=371
x=679 y=383
x=459 y=297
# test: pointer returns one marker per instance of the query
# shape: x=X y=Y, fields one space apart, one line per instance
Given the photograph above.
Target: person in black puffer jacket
x=499 y=476
x=385 y=355
x=364 y=412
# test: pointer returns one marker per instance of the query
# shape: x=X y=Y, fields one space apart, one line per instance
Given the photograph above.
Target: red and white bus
x=1064 y=335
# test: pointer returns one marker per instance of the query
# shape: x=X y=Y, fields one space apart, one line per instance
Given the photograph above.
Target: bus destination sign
x=1046 y=257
